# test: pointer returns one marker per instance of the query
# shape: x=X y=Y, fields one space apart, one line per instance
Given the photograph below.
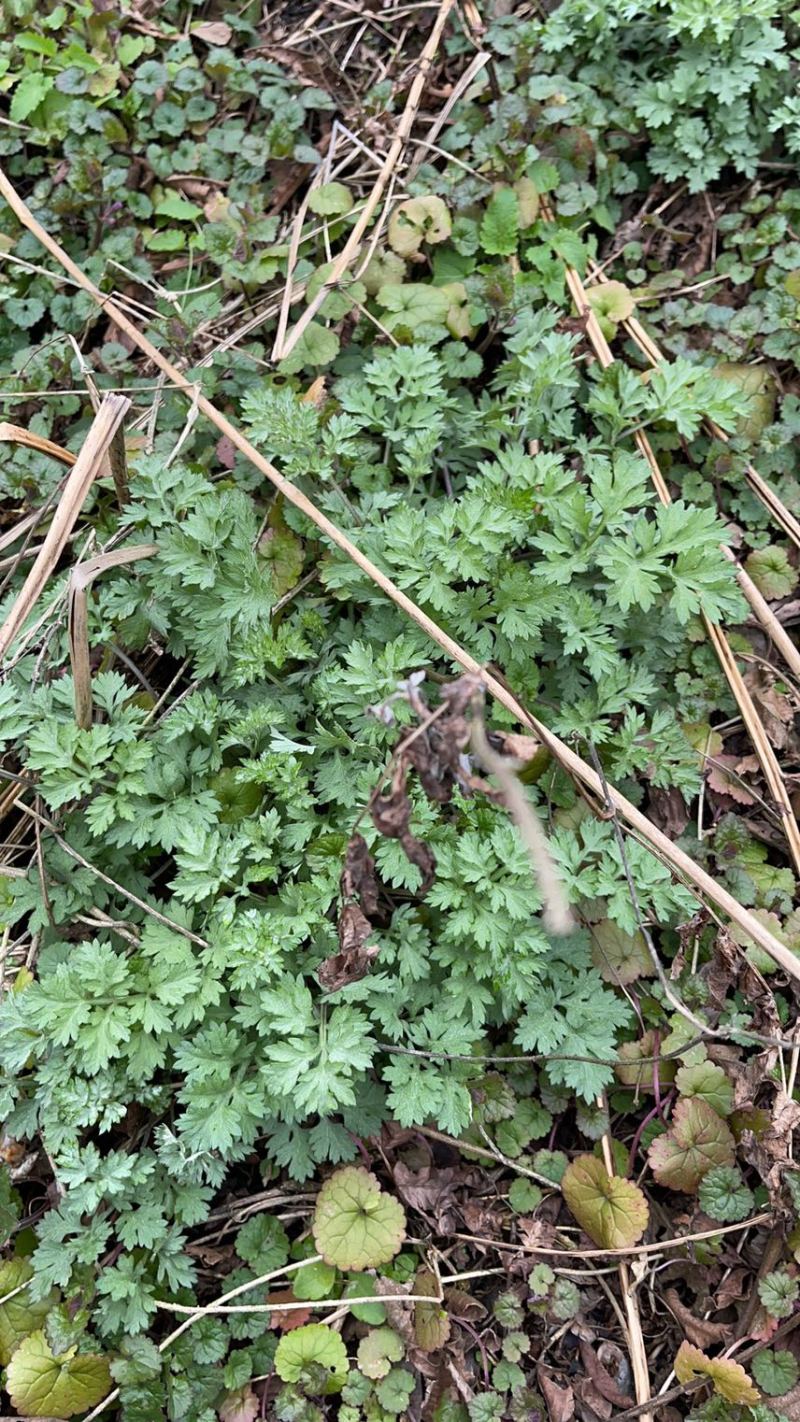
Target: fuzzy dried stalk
x=556 y=913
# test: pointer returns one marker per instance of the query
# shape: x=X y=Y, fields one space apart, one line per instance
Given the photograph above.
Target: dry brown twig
x=678 y=860
x=84 y=471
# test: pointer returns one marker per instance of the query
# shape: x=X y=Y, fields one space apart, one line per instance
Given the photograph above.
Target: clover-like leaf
x=314 y=1353
x=772 y=572
x=356 y=1225
x=709 y=1083
x=330 y=200
x=619 y=957
x=775 y=1372
x=42 y=1384
x=612 y=1211
x=378 y=1350
x=697 y=1140
x=723 y=1194
x=730 y=1379
x=431 y=1321
x=421 y=219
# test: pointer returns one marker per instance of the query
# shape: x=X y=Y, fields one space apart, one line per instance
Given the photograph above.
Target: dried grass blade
x=81 y=579
x=678 y=860
x=81 y=477
x=17 y=435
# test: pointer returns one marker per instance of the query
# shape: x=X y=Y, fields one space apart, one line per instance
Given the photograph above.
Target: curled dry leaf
x=700 y=1331
x=601 y=1378
x=355 y=955
x=431 y=1322
x=359 y=880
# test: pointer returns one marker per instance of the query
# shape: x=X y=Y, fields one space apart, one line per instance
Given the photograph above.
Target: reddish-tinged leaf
x=730 y=1379
x=696 y=1140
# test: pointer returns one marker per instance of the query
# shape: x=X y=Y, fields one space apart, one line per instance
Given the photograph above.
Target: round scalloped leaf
x=431 y=1323
x=314 y=1353
x=43 y=1385
x=18 y=1316
x=330 y=200
x=697 y=1140
x=710 y=1083
x=619 y=957
x=263 y=1243
x=723 y=1194
x=612 y=1211
x=771 y=571
x=775 y=1372
x=418 y=220
x=611 y=302
x=356 y=1225
x=730 y=1379
x=378 y=1350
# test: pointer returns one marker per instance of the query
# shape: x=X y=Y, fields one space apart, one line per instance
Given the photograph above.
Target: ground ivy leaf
x=611 y=302
x=619 y=957
x=723 y=1194
x=356 y=1225
x=612 y=1211
x=330 y=200
x=697 y=1140
x=40 y=1384
x=263 y=1244
x=775 y=1371
x=709 y=1083
x=431 y=1322
x=316 y=346
x=771 y=571
x=313 y=1346
x=378 y=1350
x=778 y=1292
x=730 y=1379
x=421 y=219
x=18 y=1316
